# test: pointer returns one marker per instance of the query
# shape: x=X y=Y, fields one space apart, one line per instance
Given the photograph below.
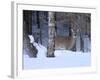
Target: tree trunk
x=39 y=26
x=82 y=31
x=51 y=34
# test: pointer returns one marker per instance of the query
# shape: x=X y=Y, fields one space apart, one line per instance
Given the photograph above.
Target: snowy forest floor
x=62 y=59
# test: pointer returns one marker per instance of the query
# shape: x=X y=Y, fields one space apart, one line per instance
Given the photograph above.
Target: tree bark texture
x=51 y=34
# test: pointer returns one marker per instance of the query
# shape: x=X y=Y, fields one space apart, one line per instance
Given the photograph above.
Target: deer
x=66 y=43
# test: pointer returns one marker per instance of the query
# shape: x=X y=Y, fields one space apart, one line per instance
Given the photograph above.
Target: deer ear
x=78 y=30
x=72 y=30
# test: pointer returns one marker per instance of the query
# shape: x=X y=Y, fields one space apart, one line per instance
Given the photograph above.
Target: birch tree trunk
x=51 y=34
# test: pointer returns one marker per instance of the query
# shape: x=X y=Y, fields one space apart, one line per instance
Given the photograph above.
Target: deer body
x=65 y=42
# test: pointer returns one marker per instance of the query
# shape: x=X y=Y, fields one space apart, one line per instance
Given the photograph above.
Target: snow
x=31 y=38
x=62 y=59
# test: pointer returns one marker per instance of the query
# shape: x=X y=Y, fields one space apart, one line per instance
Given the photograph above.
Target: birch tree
x=51 y=34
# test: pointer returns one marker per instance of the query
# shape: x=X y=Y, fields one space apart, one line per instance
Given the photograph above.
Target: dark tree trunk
x=83 y=30
x=28 y=20
x=27 y=30
x=39 y=26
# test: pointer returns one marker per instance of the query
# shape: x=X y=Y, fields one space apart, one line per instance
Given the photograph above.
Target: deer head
x=74 y=32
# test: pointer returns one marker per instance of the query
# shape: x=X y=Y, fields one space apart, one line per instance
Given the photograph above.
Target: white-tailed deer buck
x=65 y=43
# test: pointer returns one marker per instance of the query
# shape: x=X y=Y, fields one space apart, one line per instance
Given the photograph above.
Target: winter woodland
x=56 y=39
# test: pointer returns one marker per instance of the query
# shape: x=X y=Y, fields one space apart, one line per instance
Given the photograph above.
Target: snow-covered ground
x=63 y=59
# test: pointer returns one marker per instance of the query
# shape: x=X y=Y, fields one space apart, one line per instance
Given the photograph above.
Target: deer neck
x=72 y=34
x=72 y=38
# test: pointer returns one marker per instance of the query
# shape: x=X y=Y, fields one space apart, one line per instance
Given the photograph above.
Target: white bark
x=51 y=33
